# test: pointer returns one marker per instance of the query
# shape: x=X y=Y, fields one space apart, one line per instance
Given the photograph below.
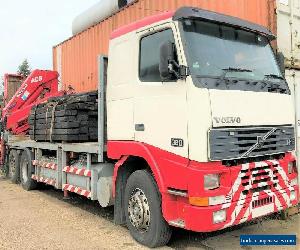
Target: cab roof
x=197 y=14
x=200 y=14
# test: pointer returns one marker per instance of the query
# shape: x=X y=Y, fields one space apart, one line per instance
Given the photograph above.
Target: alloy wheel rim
x=139 y=211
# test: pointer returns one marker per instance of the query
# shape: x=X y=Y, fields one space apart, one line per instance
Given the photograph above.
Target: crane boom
x=37 y=88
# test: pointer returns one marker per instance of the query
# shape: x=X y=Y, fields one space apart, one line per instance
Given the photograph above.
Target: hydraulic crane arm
x=37 y=88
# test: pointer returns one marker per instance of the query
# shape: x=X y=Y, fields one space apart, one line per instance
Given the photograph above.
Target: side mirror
x=280 y=60
x=167 y=56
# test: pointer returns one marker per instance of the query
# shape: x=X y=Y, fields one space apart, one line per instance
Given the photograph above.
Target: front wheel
x=143 y=210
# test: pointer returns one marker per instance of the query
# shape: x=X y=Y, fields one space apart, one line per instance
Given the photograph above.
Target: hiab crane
x=37 y=88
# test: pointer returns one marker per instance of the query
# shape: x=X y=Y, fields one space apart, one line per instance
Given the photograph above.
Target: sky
x=30 y=28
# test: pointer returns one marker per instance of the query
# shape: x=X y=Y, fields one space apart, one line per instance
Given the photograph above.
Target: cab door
x=160 y=108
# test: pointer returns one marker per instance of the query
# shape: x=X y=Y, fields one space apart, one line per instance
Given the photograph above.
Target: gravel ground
x=42 y=219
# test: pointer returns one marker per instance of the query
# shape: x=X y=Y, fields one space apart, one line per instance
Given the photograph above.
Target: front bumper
x=251 y=190
x=200 y=219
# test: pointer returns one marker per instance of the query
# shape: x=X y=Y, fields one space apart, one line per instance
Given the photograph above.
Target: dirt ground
x=42 y=219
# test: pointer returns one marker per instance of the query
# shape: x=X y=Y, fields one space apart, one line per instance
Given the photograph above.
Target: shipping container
x=293 y=79
x=288 y=40
x=288 y=35
x=12 y=83
x=76 y=58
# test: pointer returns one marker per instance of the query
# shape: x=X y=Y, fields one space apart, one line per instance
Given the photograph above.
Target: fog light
x=293 y=195
x=217 y=200
x=219 y=216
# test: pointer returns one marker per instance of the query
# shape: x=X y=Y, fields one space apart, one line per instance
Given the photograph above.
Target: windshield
x=219 y=51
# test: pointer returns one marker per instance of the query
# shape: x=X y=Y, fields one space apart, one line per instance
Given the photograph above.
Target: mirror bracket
x=181 y=71
x=184 y=72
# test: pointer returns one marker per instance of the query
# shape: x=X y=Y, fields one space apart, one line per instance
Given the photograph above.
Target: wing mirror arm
x=168 y=66
x=181 y=71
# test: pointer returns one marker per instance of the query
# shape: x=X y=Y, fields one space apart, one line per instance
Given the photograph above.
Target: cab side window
x=150 y=55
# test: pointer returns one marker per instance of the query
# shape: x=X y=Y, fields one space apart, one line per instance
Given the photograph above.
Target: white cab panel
x=162 y=111
x=120 y=89
x=161 y=108
x=199 y=122
x=253 y=108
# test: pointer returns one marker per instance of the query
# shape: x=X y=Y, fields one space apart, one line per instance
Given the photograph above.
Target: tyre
x=13 y=171
x=143 y=211
x=26 y=171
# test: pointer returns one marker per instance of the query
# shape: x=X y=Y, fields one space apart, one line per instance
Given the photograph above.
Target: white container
x=288 y=31
x=97 y=13
x=293 y=79
x=288 y=42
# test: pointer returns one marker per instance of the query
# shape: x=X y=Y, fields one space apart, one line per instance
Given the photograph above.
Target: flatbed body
x=19 y=142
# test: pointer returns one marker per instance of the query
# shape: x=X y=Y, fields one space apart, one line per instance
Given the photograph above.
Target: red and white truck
x=196 y=129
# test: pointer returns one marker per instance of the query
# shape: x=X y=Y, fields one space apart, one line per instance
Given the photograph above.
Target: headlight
x=211 y=181
x=216 y=200
x=219 y=216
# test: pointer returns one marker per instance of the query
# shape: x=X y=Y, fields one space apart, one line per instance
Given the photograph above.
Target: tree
x=1 y=93
x=24 y=68
x=1 y=85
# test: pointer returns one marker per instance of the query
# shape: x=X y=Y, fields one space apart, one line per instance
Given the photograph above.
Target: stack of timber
x=72 y=118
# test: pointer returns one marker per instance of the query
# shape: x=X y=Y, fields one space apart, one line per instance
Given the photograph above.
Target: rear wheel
x=26 y=171
x=143 y=210
x=13 y=171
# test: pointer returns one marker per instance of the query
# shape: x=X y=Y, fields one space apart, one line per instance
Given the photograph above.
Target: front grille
x=260 y=177
x=237 y=143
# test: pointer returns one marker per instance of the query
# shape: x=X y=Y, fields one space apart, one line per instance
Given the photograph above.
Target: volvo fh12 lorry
x=195 y=129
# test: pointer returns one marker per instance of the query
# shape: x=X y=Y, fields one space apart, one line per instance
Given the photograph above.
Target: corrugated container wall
x=76 y=58
x=11 y=84
x=288 y=40
x=293 y=79
x=288 y=35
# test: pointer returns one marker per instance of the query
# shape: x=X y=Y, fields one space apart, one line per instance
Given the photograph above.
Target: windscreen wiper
x=274 y=87
x=230 y=69
x=274 y=77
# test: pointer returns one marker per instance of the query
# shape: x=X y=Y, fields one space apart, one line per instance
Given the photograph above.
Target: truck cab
x=201 y=98
x=195 y=128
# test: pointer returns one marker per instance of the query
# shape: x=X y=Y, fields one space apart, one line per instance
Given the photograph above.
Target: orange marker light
x=199 y=201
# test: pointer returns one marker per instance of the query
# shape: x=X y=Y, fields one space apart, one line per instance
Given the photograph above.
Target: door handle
x=139 y=127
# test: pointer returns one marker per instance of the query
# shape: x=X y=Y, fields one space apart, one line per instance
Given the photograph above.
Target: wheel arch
x=130 y=156
x=134 y=152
